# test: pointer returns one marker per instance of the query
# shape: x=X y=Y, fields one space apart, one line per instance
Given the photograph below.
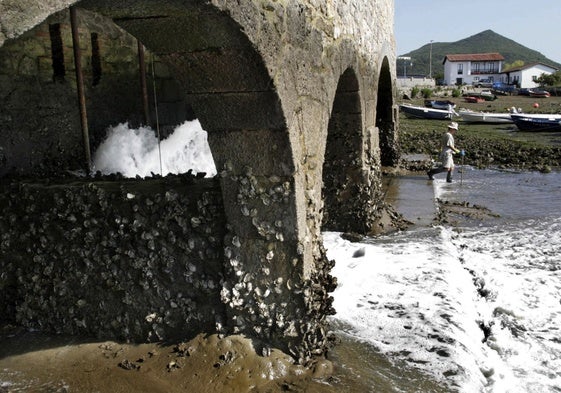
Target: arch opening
x=385 y=118
x=342 y=167
x=212 y=74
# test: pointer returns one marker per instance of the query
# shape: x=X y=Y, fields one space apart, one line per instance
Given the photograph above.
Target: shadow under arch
x=342 y=167
x=385 y=121
x=222 y=75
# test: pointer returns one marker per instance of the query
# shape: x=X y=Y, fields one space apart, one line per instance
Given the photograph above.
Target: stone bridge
x=297 y=98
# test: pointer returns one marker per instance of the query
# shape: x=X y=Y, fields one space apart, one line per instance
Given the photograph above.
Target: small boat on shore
x=440 y=104
x=539 y=93
x=421 y=112
x=470 y=116
x=484 y=95
x=537 y=122
x=474 y=99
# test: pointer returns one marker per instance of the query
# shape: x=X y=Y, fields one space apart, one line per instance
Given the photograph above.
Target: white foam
x=135 y=152
x=412 y=301
x=520 y=266
x=413 y=297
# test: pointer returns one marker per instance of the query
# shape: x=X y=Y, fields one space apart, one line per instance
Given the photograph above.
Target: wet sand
x=36 y=362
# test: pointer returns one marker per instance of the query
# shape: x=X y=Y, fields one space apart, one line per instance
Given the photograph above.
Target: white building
x=469 y=69
x=526 y=75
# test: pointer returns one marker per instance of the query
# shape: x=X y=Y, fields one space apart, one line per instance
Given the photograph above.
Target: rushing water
x=477 y=307
x=135 y=152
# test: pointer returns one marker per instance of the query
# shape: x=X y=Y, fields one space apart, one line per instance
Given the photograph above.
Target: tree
x=514 y=64
x=549 y=79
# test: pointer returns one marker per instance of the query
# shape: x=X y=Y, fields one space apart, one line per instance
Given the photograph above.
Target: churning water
x=477 y=308
x=133 y=152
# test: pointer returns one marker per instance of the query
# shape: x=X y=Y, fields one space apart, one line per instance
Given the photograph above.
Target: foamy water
x=478 y=308
x=133 y=152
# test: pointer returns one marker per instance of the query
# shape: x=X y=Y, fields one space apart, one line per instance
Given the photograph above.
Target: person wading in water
x=447 y=150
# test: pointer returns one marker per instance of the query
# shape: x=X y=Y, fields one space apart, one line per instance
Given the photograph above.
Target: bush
x=414 y=92
x=456 y=93
x=426 y=92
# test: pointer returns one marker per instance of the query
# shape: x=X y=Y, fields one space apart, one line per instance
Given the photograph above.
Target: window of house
x=460 y=69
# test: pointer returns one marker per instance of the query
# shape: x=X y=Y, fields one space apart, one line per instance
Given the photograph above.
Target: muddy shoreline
x=37 y=362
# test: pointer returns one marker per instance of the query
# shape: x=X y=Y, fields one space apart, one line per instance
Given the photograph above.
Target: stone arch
x=222 y=76
x=226 y=82
x=342 y=167
x=385 y=117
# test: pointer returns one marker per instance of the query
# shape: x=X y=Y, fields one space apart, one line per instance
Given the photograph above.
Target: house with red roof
x=471 y=69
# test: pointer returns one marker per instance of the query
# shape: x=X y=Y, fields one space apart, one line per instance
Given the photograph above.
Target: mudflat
x=37 y=362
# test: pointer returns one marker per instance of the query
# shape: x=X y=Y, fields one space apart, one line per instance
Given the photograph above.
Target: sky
x=532 y=23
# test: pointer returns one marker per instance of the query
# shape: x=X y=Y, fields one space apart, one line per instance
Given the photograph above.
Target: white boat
x=421 y=112
x=470 y=116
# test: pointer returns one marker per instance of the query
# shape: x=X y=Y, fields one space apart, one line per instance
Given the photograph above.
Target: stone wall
x=405 y=85
x=133 y=260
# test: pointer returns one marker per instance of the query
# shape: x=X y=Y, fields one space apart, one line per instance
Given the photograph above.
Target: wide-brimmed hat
x=453 y=126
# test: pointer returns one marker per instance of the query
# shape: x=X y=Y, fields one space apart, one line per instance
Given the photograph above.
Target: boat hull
x=537 y=123
x=419 y=112
x=474 y=99
x=539 y=93
x=485 y=117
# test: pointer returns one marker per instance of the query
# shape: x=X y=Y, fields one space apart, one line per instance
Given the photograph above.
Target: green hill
x=485 y=42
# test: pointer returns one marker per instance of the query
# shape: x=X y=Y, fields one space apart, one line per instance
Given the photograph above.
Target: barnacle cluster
x=138 y=260
x=266 y=293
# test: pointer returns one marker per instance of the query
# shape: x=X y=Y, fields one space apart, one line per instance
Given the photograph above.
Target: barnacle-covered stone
x=147 y=250
x=119 y=251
